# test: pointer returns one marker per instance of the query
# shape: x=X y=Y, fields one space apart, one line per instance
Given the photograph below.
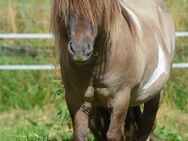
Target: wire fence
x=50 y=36
x=34 y=16
x=52 y=67
x=26 y=36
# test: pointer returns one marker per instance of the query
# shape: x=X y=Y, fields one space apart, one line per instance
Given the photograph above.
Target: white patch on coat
x=160 y=69
x=134 y=17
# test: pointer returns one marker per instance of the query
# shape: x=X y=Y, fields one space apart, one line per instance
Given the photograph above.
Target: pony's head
x=81 y=38
x=77 y=23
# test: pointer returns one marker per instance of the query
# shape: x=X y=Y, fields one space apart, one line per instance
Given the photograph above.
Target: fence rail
x=49 y=36
x=52 y=67
x=26 y=36
x=181 y=34
x=27 y=67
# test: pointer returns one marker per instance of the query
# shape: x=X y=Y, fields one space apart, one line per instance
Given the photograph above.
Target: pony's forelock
x=101 y=13
x=98 y=12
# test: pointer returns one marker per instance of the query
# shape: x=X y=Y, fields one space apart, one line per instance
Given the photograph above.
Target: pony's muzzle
x=80 y=53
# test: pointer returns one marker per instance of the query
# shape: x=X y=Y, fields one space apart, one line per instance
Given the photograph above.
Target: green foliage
x=26 y=133
x=176 y=92
x=168 y=135
x=24 y=89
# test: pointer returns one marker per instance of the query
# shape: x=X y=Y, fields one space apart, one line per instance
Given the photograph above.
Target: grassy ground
x=32 y=106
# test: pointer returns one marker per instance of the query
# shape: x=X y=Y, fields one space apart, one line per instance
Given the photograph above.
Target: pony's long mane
x=101 y=13
x=98 y=12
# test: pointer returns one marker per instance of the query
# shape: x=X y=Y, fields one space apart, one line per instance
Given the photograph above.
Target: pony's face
x=80 y=21
x=81 y=39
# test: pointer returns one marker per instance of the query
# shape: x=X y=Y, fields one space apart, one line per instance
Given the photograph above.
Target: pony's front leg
x=79 y=112
x=80 y=123
x=119 y=111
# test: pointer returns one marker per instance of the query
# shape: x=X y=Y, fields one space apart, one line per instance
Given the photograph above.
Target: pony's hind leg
x=99 y=123
x=131 y=121
x=147 y=124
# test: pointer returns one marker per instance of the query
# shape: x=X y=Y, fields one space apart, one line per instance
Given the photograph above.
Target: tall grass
x=21 y=16
x=24 y=16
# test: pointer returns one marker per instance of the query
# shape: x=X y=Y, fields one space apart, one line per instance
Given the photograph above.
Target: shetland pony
x=114 y=55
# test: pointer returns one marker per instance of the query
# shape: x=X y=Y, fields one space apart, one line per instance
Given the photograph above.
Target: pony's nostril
x=71 y=48
x=88 y=54
x=87 y=49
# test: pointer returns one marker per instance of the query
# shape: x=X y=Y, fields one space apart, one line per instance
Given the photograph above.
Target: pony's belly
x=153 y=82
x=141 y=99
x=140 y=95
x=105 y=96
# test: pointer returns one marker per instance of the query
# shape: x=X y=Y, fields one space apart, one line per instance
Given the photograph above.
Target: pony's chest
x=105 y=91
x=103 y=97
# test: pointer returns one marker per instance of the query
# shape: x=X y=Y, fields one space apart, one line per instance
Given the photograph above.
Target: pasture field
x=32 y=106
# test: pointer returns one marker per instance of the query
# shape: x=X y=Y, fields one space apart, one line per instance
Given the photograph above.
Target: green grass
x=38 y=56
x=168 y=135
x=22 y=90
x=32 y=105
x=39 y=110
x=176 y=91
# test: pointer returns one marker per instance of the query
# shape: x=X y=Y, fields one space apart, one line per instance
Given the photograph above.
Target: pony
x=115 y=55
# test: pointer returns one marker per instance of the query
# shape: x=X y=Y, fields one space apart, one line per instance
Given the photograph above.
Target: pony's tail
x=99 y=123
